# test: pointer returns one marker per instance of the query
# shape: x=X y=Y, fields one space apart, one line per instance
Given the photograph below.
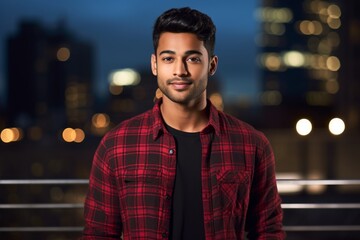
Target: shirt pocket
x=231 y=191
x=142 y=188
x=142 y=180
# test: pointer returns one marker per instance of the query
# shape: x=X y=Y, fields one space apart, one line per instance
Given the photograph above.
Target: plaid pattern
x=133 y=174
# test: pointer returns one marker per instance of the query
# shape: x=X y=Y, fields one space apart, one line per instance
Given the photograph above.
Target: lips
x=179 y=84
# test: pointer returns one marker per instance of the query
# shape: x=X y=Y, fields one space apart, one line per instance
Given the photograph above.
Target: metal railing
x=297 y=228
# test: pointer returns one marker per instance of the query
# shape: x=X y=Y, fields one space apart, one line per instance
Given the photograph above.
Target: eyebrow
x=186 y=53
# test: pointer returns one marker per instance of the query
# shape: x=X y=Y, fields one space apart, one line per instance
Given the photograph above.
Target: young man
x=183 y=170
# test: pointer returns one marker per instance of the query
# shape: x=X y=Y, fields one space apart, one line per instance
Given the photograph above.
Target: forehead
x=180 y=42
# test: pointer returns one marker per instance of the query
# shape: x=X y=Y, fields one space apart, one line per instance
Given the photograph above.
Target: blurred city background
x=71 y=70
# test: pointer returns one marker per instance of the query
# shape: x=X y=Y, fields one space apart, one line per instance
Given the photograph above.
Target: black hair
x=186 y=20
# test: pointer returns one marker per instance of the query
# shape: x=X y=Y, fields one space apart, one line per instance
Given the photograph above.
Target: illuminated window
x=334 y=23
x=333 y=63
x=334 y=11
x=101 y=120
x=271 y=61
x=294 y=59
x=124 y=77
x=310 y=27
x=63 y=54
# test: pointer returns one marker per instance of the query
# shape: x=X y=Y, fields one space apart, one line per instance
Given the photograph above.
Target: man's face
x=182 y=67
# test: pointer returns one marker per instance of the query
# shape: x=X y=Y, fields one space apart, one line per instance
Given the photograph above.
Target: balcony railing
x=285 y=206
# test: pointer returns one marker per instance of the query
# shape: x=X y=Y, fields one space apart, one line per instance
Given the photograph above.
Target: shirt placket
x=169 y=170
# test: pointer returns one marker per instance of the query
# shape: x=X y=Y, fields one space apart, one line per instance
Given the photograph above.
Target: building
x=349 y=94
x=301 y=60
x=50 y=75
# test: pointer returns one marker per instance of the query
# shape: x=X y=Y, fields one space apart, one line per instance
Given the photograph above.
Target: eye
x=194 y=59
x=167 y=59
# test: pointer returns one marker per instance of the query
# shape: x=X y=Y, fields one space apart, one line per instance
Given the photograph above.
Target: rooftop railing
x=286 y=206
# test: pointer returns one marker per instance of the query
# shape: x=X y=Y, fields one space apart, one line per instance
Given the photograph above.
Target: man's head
x=186 y=20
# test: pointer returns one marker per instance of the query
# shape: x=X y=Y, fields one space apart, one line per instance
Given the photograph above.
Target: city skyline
x=45 y=164
x=113 y=27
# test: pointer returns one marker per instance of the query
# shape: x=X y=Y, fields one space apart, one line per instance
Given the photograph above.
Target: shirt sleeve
x=102 y=208
x=265 y=215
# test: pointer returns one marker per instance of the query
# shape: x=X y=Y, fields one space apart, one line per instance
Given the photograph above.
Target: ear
x=213 y=65
x=153 y=64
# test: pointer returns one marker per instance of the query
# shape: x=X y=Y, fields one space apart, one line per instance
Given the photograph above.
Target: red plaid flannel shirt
x=133 y=172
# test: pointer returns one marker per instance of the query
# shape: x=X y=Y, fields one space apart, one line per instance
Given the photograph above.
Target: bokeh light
x=336 y=126
x=303 y=127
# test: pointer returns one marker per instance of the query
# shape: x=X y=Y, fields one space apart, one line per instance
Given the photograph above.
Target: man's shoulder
x=134 y=124
x=234 y=125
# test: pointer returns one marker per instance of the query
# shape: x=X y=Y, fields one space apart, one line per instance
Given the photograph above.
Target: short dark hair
x=186 y=20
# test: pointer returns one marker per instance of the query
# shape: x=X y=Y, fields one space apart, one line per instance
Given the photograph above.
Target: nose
x=180 y=68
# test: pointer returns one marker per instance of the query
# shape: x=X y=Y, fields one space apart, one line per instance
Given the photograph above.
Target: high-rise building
x=49 y=75
x=349 y=94
x=301 y=47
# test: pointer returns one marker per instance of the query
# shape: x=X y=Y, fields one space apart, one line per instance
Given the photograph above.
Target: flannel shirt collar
x=158 y=126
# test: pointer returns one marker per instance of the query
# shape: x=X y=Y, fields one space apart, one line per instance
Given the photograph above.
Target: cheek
x=163 y=70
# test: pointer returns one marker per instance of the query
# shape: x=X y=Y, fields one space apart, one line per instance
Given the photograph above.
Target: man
x=183 y=170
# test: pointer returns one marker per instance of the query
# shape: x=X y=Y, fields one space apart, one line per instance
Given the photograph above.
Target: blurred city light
x=100 y=120
x=124 y=77
x=277 y=15
x=316 y=188
x=11 y=135
x=63 y=54
x=79 y=135
x=294 y=59
x=69 y=135
x=217 y=100
x=334 y=11
x=100 y=123
x=336 y=126
x=310 y=27
x=271 y=61
x=73 y=135
x=288 y=187
x=333 y=63
x=115 y=90
x=303 y=127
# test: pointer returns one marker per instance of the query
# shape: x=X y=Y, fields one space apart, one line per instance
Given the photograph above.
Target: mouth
x=179 y=84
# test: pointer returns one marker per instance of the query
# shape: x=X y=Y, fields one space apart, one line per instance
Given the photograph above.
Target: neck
x=191 y=118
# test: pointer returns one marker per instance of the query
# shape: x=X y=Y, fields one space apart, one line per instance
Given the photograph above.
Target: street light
x=303 y=127
x=336 y=126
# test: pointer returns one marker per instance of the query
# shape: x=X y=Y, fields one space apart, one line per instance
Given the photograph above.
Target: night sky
x=120 y=32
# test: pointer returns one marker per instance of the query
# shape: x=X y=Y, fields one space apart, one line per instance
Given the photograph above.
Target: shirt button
x=171 y=151
x=167 y=197
x=164 y=235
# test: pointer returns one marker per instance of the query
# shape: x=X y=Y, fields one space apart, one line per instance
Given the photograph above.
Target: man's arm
x=102 y=208
x=264 y=219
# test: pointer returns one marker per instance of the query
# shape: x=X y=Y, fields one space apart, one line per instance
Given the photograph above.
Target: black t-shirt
x=187 y=219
